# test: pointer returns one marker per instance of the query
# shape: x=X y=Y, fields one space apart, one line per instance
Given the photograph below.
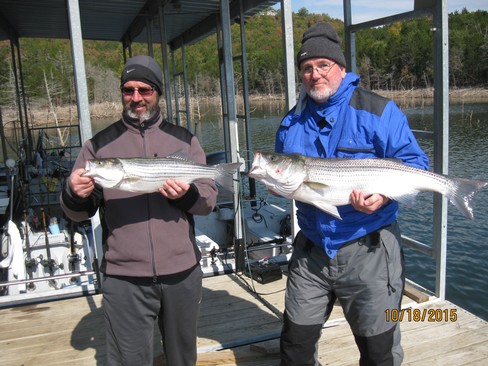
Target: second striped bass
x=327 y=183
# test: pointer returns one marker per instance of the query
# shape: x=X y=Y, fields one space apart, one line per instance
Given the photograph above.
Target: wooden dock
x=237 y=327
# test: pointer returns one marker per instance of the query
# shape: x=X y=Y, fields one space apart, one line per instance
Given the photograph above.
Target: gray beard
x=141 y=117
x=321 y=96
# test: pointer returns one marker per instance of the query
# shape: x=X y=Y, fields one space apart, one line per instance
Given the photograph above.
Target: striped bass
x=145 y=175
x=327 y=183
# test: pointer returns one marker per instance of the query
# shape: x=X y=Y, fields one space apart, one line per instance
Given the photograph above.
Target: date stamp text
x=421 y=315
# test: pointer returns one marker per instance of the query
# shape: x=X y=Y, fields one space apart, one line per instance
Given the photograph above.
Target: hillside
x=397 y=57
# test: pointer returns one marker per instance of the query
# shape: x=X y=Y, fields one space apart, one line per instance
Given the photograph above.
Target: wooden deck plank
x=232 y=317
x=59 y=331
x=425 y=343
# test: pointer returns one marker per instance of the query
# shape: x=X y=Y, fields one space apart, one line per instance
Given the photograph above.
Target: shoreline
x=414 y=98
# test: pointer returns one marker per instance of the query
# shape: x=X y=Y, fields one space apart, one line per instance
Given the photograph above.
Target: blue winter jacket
x=353 y=123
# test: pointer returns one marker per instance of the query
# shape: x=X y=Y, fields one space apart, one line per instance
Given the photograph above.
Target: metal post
x=232 y=119
x=150 y=50
x=164 y=52
x=245 y=96
x=79 y=69
x=290 y=67
x=175 y=90
x=441 y=139
x=30 y=142
x=289 y=53
x=349 y=38
x=13 y=46
x=223 y=91
x=186 y=88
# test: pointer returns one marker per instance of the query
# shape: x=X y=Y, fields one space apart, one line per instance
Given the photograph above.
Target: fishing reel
x=49 y=263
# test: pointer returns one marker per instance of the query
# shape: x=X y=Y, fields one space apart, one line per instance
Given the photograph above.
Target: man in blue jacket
x=359 y=259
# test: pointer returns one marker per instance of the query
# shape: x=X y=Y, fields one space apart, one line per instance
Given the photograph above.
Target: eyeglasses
x=143 y=92
x=322 y=68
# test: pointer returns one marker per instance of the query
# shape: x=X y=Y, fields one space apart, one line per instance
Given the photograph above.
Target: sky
x=364 y=10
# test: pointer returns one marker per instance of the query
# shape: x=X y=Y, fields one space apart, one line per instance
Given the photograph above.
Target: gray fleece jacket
x=144 y=235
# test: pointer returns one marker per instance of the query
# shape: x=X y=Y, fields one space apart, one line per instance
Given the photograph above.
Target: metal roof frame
x=119 y=20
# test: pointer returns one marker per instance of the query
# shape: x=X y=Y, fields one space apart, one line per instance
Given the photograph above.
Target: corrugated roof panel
x=112 y=19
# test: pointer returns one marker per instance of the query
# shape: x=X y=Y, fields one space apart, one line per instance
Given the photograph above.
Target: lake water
x=467 y=246
x=467 y=240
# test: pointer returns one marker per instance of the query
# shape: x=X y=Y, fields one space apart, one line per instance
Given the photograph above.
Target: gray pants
x=366 y=275
x=131 y=306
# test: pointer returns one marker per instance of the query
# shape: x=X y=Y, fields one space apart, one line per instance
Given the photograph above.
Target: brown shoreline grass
x=414 y=98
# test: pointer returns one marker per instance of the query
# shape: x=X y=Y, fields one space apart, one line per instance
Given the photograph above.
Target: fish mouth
x=256 y=169
x=253 y=171
x=87 y=173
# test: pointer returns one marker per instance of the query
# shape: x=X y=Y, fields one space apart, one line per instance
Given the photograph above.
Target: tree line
x=397 y=56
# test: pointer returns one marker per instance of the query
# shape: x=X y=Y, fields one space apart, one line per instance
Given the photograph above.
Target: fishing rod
x=26 y=233
x=49 y=262
x=11 y=165
x=30 y=262
x=73 y=256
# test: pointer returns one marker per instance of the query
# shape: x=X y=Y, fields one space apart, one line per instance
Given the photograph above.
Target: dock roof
x=119 y=20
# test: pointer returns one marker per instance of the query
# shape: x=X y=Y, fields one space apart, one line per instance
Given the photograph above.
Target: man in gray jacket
x=151 y=260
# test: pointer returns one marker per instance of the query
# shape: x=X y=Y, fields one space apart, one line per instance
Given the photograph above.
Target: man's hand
x=81 y=186
x=369 y=204
x=173 y=189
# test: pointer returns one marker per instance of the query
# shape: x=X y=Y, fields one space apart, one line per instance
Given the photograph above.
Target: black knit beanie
x=143 y=68
x=321 y=41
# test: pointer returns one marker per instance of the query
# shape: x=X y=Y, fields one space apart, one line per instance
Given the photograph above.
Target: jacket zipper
x=153 y=261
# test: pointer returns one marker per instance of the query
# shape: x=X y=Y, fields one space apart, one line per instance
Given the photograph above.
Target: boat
x=245 y=242
x=45 y=256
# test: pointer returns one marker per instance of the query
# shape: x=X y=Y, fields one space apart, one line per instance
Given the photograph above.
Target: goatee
x=150 y=112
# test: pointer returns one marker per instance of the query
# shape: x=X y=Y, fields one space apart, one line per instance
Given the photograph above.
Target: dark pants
x=131 y=306
x=367 y=276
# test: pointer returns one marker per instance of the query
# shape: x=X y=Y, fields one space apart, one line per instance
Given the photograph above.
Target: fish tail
x=225 y=175
x=461 y=194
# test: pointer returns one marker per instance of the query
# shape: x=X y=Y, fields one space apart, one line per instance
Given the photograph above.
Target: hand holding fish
x=173 y=189
x=369 y=204
x=80 y=185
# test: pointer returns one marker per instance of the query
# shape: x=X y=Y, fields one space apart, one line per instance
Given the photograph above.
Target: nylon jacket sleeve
x=281 y=132
x=400 y=142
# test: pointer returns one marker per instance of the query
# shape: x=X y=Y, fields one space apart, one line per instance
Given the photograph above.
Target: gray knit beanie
x=143 y=68
x=321 y=41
